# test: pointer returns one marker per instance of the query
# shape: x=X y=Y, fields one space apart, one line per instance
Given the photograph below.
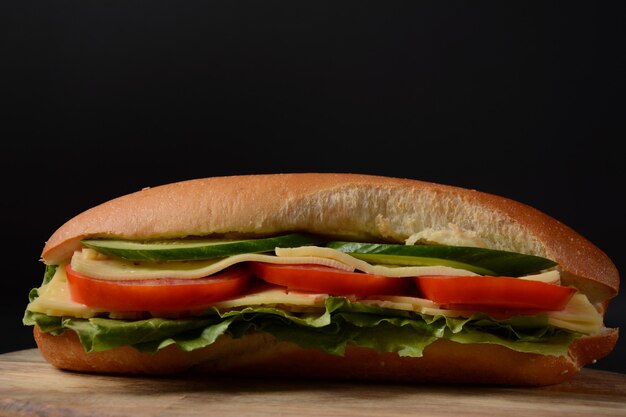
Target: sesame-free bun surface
x=341 y=205
x=261 y=355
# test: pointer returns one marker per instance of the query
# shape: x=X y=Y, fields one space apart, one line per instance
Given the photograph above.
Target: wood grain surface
x=31 y=387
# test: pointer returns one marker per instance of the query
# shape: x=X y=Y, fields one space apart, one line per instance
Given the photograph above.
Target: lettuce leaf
x=340 y=324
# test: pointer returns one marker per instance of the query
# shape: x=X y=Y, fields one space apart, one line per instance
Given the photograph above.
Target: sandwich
x=319 y=275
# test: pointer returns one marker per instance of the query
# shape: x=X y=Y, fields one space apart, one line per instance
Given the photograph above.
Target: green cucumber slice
x=194 y=249
x=402 y=260
x=493 y=262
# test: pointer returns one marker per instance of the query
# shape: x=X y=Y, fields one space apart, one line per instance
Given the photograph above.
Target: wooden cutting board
x=30 y=387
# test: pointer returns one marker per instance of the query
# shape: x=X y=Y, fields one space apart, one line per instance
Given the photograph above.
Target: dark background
x=104 y=98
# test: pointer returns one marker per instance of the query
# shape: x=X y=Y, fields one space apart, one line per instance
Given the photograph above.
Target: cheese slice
x=549 y=277
x=117 y=269
x=54 y=300
x=272 y=295
x=358 y=264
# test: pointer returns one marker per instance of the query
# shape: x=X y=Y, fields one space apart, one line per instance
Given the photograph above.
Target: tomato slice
x=328 y=280
x=480 y=292
x=156 y=294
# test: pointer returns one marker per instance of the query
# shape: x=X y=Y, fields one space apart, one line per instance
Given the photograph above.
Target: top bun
x=341 y=205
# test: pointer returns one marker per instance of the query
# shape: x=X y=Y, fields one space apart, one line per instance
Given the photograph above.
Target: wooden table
x=30 y=387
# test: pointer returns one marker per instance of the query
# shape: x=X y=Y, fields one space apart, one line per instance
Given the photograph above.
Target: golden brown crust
x=338 y=204
x=259 y=354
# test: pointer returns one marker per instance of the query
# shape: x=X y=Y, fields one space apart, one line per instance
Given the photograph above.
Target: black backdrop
x=104 y=98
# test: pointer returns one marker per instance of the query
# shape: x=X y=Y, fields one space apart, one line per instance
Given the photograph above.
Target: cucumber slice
x=401 y=260
x=491 y=262
x=194 y=249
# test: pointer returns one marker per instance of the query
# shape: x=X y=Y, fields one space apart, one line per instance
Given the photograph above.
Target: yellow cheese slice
x=108 y=268
x=54 y=299
x=358 y=264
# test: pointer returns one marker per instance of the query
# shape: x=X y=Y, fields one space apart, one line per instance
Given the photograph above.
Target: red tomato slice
x=479 y=292
x=156 y=294
x=328 y=280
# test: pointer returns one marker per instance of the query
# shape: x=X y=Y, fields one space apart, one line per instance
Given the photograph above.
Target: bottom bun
x=260 y=354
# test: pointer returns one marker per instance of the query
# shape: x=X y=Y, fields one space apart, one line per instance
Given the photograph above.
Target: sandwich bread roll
x=346 y=207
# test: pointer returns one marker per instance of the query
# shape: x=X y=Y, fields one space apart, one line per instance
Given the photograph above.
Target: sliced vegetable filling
x=358 y=279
